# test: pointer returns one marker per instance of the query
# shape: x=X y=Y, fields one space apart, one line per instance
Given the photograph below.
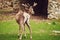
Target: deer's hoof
x=20 y=38
x=30 y=38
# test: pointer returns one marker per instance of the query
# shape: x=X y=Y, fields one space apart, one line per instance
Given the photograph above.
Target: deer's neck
x=26 y=14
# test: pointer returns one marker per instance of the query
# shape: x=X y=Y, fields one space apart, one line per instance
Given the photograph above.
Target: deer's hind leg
x=21 y=31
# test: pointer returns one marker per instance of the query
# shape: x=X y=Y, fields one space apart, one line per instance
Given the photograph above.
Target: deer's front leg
x=25 y=19
x=24 y=32
x=27 y=23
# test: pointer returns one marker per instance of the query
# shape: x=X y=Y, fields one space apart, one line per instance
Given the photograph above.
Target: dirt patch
x=7 y=16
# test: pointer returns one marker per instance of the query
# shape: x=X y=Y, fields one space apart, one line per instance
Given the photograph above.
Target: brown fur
x=20 y=20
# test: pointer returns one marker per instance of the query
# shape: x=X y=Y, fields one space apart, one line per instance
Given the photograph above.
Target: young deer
x=22 y=18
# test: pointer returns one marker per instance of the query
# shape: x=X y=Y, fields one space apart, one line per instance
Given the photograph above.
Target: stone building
x=54 y=9
x=45 y=8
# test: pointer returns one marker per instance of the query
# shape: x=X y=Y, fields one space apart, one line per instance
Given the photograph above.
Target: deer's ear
x=34 y=4
x=24 y=5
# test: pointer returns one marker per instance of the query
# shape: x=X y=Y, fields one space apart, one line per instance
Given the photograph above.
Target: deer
x=23 y=17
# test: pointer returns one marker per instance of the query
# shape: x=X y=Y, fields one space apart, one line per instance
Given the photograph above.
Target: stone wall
x=54 y=9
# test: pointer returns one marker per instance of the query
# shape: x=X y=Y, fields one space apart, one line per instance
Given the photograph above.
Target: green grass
x=40 y=30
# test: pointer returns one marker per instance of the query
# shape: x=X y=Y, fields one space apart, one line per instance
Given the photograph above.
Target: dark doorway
x=41 y=8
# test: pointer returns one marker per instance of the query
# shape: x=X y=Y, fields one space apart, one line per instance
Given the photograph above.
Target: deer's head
x=29 y=8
